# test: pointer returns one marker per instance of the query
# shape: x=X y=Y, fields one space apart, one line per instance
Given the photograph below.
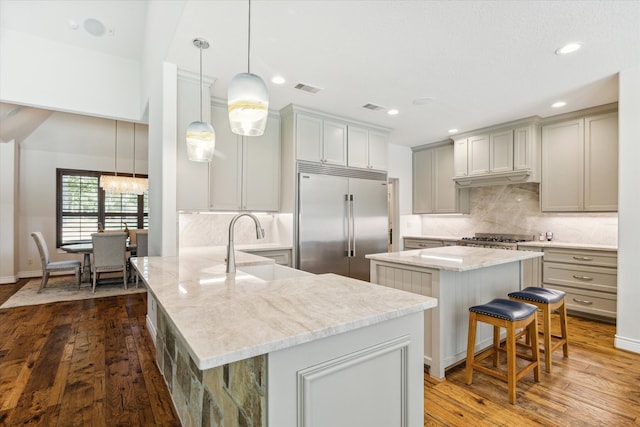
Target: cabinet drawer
x=588 y=302
x=421 y=244
x=583 y=277
x=584 y=257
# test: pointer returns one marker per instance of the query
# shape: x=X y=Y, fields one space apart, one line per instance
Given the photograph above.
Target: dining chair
x=142 y=247
x=51 y=266
x=109 y=254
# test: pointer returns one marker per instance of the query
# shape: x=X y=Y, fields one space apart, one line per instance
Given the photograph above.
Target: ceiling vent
x=373 y=107
x=307 y=88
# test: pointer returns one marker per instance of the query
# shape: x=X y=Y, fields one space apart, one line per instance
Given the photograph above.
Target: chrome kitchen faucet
x=231 y=260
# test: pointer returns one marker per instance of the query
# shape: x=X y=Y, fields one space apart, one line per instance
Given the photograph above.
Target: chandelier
x=124 y=184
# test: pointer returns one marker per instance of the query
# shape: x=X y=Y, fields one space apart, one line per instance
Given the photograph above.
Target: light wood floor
x=91 y=363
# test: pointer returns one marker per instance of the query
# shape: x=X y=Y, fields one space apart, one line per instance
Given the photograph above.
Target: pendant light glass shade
x=248 y=98
x=200 y=136
x=248 y=104
x=124 y=184
x=201 y=142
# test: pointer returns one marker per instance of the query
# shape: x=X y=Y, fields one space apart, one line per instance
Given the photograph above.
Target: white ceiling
x=482 y=62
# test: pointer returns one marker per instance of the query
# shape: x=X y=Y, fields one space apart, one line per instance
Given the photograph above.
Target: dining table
x=86 y=249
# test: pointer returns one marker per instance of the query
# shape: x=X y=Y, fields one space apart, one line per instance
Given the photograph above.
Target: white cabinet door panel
x=501 y=152
x=309 y=138
x=601 y=163
x=478 y=151
x=378 y=150
x=358 y=142
x=334 y=143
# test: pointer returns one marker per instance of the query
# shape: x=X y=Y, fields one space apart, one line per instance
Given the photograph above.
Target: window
x=82 y=204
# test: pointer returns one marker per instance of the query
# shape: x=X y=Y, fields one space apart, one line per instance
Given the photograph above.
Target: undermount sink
x=270 y=272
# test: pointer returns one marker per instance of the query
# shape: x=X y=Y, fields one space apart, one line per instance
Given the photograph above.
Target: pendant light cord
x=200 y=47
x=249 y=42
x=134 y=150
x=116 y=158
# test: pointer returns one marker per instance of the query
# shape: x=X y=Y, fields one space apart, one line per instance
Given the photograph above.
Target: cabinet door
x=226 y=175
x=460 y=157
x=358 y=143
x=334 y=143
x=378 y=150
x=261 y=169
x=523 y=149
x=478 y=152
x=501 y=152
x=444 y=197
x=562 y=166
x=601 y=163
x=309 y=138
x=422 y=181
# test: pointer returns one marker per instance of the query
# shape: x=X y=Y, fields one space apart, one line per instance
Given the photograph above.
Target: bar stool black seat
x=511 y=315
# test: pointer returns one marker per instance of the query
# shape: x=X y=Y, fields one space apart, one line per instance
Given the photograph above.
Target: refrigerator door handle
x=349 y=215
x=353 y=228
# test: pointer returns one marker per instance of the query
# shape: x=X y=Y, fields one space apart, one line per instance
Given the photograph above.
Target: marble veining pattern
x=455 y=258
x=515 y=209
x=228 y=317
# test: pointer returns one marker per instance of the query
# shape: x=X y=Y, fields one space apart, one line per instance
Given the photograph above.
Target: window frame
x=140 y=215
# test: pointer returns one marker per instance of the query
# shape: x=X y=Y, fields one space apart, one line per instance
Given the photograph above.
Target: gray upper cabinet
x=580 y=164
x=245 y=171
x=321 y=141
x=367 y=148
x=434 y=190
x=502 y=154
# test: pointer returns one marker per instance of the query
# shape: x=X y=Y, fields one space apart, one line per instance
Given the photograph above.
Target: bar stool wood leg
x=512 y=316
x=547 y=300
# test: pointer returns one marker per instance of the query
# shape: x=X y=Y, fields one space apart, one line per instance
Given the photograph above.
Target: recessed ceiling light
x=422 y=100
x=278 y=80
x=568 y=48
x=73 y=24
x=393 y=112
x=453 y=131
x=558 y=104
x=94 y=27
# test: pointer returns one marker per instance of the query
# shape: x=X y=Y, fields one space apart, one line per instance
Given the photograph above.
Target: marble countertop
x=565 y=245
x=455 y=258
x=228 y=317
x=533 y=243
x=446 y=238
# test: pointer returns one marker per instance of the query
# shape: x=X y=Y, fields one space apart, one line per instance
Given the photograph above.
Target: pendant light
x=124 y=184
x=248 y=98
x=201 y=138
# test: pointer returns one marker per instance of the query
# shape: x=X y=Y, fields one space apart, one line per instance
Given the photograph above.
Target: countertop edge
x=310 y=336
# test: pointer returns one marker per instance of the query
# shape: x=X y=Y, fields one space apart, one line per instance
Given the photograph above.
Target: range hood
x=500 y=178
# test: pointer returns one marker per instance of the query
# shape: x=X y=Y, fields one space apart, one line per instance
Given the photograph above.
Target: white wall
x=8 y=189
x=400 y=164
x=628 y=333
x=67 y=141
x=56 y=76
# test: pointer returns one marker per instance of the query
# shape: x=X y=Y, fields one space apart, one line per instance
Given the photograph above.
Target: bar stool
x=547 y=300
x=511 y=315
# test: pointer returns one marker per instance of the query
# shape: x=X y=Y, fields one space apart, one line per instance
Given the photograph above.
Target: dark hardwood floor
x=91 y=363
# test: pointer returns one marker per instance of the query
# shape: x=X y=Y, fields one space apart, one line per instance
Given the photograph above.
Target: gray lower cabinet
x=418 y=243
x=280 y=256
x=589 y=278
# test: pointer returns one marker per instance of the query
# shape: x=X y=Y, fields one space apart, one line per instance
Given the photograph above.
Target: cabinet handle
x=582 y=301
x=575 y=276
x=583 y=258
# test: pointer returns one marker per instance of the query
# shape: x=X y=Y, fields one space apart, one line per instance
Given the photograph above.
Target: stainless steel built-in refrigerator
x=340 y=220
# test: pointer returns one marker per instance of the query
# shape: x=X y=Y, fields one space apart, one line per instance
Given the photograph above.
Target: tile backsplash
x=515 y=209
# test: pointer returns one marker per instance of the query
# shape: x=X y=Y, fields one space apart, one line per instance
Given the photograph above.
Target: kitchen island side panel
x=445 y=329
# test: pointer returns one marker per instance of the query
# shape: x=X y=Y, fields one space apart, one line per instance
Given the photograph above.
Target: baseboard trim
x=6 y=280
x=627 y=344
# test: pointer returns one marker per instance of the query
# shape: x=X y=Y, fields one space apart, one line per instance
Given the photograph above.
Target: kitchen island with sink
x=269 y=345
x=458 y=277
